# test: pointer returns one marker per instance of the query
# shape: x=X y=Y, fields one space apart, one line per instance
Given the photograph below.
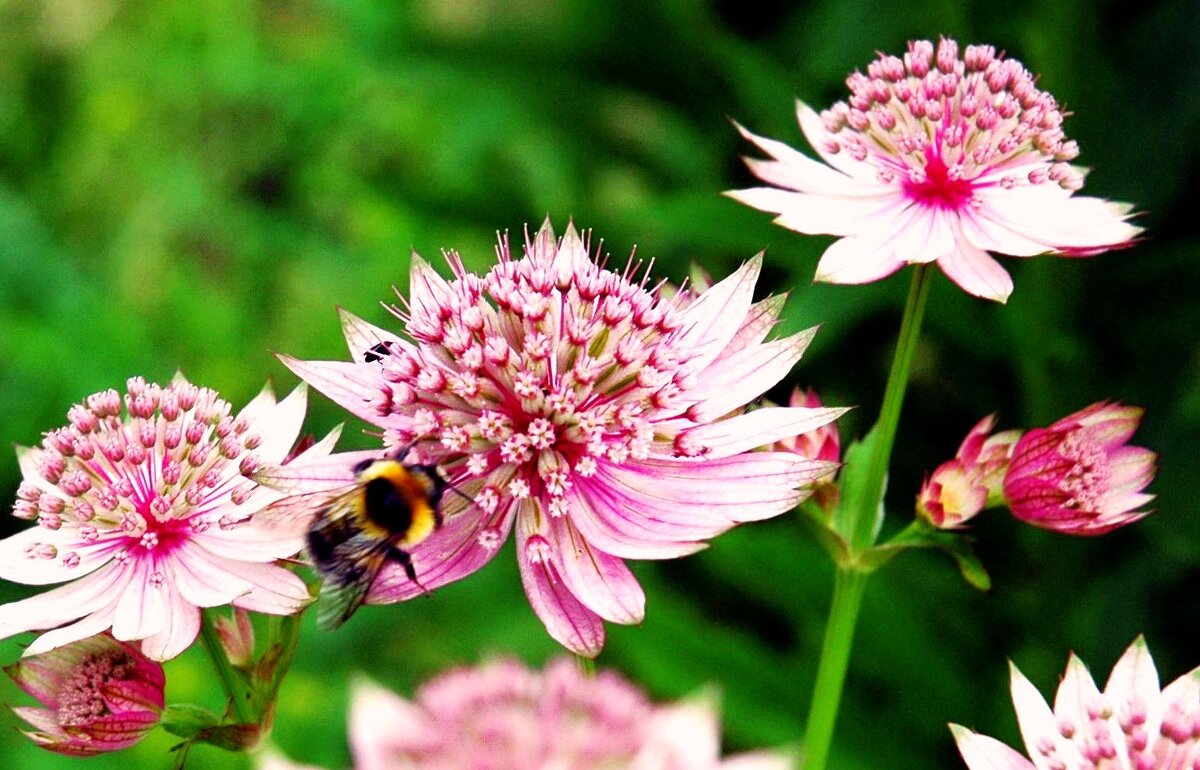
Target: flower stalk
x=234 y=685
x=858 y=521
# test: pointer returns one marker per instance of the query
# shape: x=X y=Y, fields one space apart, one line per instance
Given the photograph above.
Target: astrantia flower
x=1132 y=725
x=504 y=716
x=605 y=421
x=98 y=695
x=937 y=157
x=972 y=481
x=1078 y=476
x=143 y=503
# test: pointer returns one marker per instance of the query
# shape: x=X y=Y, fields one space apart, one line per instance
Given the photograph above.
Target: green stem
x=586 y=665
x=848 y=588
x=863 y=525
x=233 y=684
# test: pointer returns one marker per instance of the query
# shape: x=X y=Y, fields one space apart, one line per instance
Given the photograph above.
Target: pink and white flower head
x=972 y=481
x=1132 y=725
x=603 y=420
x=504 y=716
x=1079 y=476
x=937 y=157
x=97 y=694
x=143 y=504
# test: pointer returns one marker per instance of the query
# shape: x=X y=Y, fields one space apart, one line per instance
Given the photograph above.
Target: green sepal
x=185 y=720
x=922 y=534
x=817 y=521
x=855 y=493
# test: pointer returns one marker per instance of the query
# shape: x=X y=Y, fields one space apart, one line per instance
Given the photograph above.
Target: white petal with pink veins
x=426 y=289
x=817 y=136
x=602 y=582
x=361 y=336
x=976 y=272
x=566 y=619
x=63 y=604
x=275 y=591
x=923 y=234
x=1134 y=679
x=281 y=426
x=16 y=566
x=201 y=581
x=759 y=428
x=795 y=170
x=142 y=610
x=93 y=624
x=351 y=386
x=737 y=379
x=712 y=320
x=181 y=629
x=1041 y=214
x=981 y=752
x=856 y=259
x=617 y=531
x=818 y=214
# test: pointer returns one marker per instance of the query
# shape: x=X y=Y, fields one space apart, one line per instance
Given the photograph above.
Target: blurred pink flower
x=147 y=515
x=972 y=481
x=937 y=157
x=99 y=695
x=1078 y=476
x=821 y=444
x=504 y=716
x=1132 y=724
x=605 y=420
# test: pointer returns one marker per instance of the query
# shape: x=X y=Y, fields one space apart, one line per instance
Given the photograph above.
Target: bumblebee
x=354 y=531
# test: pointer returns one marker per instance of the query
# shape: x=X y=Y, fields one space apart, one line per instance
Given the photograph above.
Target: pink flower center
x=81 y=698
x=932 y=122
x=534 y=375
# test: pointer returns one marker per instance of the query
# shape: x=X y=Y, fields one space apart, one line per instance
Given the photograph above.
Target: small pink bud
x=962 y=487
x=237 y=637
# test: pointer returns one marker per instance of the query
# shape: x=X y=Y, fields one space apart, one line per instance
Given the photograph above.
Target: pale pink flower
x=1079 y=476
x=143 y=504
x=602 y=419
x=98 y=695
x=1132 y=725
x=504 y=716
x=937 y=157
x=972 y=481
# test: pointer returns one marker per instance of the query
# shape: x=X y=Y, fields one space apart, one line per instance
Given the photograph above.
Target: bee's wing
x=346 y=578
x=297 y=512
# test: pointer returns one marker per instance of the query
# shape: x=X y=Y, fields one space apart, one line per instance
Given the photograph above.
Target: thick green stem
x=860 y=525
x=234 y=686
x=863 y=525
x=848 y=588
x=586 y=665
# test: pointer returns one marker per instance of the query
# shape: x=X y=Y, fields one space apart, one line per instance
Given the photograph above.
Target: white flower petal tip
x=654 y=389
x=986 y=160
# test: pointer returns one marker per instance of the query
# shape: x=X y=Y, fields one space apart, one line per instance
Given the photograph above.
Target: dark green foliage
x=194 y=185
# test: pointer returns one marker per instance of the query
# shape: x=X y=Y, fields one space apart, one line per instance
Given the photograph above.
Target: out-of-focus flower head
x=1079 y=476
x=601 y=419
x=143 y=503
x=942 y=157
x=1131 y=725
x=97 y=694
x=504 y=716
x=821 y=444
x=972 y=481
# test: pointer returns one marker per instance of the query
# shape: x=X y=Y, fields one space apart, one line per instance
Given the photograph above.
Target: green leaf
x=921 y=534
x=185 y=720
x=855 y=493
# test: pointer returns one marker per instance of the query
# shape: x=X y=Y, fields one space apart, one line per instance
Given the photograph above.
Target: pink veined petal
x=709 y=323
x=361 y=336
x=1041 y=213
x=1134 y=677
x=275 y=591
x=567 y=621
x=378 y=721
x=601 y=582
x=280 y=426
x=626 y=508
x=426 y=288
x=17 y=567
x=39 y=718
x=1184 y=691
x=142 y=610
x=449 y=554
x=759 y=428
x=759 y=322
x=91 y=625
x=349 y=385
x=201 y=581
x=981 y=752
x=737 y=379
x=989 y=235
x=815 y=214
x=252 y=542
x=620 y=532
x=927 y=235
x=976 y=272
x=65 y=603
x=317 y=473
x=815 y=133
x=181 y=629
x=856 y=259
x=321 y=448
x=1075 y=692
x=259 y=407
x=797 y=171
x=1034 y=717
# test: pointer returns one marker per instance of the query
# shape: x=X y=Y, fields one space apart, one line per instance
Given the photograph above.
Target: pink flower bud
x=1079 y=476
x=971 y=482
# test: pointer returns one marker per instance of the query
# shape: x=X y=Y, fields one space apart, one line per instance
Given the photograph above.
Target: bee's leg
x=405 y=561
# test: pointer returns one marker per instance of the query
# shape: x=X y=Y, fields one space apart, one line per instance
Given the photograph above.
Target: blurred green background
x=195 y=185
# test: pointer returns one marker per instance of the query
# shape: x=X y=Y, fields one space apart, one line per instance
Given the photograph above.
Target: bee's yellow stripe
x=415 y=489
